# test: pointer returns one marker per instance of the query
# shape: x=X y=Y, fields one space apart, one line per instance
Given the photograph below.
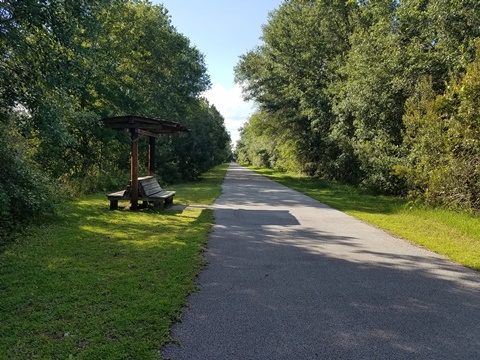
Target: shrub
x=26 y=194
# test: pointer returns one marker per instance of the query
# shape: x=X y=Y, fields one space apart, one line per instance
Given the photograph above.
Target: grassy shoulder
x=203 y=192
x=447 y=232
x=103 y=284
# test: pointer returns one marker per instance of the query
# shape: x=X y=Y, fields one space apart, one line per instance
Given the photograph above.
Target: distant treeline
x=383 y=94
x=65 y=65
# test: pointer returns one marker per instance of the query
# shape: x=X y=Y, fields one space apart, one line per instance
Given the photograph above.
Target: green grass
x=204 y=191
x=101 y=284
x=447 y=232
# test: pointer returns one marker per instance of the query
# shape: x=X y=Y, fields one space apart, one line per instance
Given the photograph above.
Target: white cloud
x=230 y=104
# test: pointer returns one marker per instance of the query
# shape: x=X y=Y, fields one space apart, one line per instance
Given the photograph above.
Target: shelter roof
x=145 y=126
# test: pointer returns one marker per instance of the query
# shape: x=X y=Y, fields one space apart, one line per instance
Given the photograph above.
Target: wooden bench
x=149 y=191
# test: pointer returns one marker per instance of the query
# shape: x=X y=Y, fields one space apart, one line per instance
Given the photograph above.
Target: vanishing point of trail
x=291 y=278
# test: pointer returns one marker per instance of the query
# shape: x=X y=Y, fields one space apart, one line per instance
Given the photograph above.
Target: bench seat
x=119 y=195
x=149 y=191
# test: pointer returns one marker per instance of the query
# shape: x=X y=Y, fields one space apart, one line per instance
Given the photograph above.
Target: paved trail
x=290 y=278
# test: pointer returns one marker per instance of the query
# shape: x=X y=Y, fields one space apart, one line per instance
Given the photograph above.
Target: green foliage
x=288 y=77
x=424 y=141
x=371 y=96
x=442 y=136
x=258 y=143
x=338 y=82
x=187 y=156
x=67 y=65
x=27 y=195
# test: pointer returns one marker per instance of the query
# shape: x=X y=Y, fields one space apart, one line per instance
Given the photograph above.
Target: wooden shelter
x=149 y=128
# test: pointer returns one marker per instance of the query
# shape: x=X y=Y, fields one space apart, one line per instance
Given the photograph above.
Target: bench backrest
x=148 y=186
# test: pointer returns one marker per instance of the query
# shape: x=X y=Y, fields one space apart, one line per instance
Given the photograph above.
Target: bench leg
x=169 y=200
x=113 y=204
x=158 y=204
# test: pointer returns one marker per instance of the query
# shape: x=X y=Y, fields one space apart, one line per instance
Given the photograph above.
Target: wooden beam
x=151 y=156
x=160 y=128
x=148 y=134
x=134 y=170
x=137 y=122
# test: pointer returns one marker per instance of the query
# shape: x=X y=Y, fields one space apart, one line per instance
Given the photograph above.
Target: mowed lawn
x=101 y=284
x=454 y=234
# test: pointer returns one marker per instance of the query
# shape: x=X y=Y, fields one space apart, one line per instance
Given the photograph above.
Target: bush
x=27 y=195
x=442 y=135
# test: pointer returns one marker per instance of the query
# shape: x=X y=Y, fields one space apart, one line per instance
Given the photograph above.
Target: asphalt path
x=291 y=278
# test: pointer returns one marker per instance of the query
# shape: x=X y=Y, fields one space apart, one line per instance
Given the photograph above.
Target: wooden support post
x=151 y=156
x=113 y=204
x=134 y=170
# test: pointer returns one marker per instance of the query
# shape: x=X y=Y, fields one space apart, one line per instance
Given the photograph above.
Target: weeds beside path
x=447 y=232
x=103 y=284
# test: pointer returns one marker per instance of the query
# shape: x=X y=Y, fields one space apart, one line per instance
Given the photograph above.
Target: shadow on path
x=290 y=278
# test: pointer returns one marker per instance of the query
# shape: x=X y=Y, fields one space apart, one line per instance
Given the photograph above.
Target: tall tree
x=65 y=65
x=289 y=74
x=442 y=141
x=337 y=74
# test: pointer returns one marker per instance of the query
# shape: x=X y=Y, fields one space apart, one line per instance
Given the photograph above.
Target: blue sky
x=222 y=30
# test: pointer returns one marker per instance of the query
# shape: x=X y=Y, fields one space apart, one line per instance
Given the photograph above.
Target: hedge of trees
x=378 y=93
x=64 y=65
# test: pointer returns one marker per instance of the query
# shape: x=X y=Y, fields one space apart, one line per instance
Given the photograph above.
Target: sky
x=223 y=30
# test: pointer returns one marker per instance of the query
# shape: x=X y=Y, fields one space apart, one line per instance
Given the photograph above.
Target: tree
x=67 y=65
x=188 y=156
x=442 y=138
x=369 y=99
x=337 y=74
x=289 y=74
